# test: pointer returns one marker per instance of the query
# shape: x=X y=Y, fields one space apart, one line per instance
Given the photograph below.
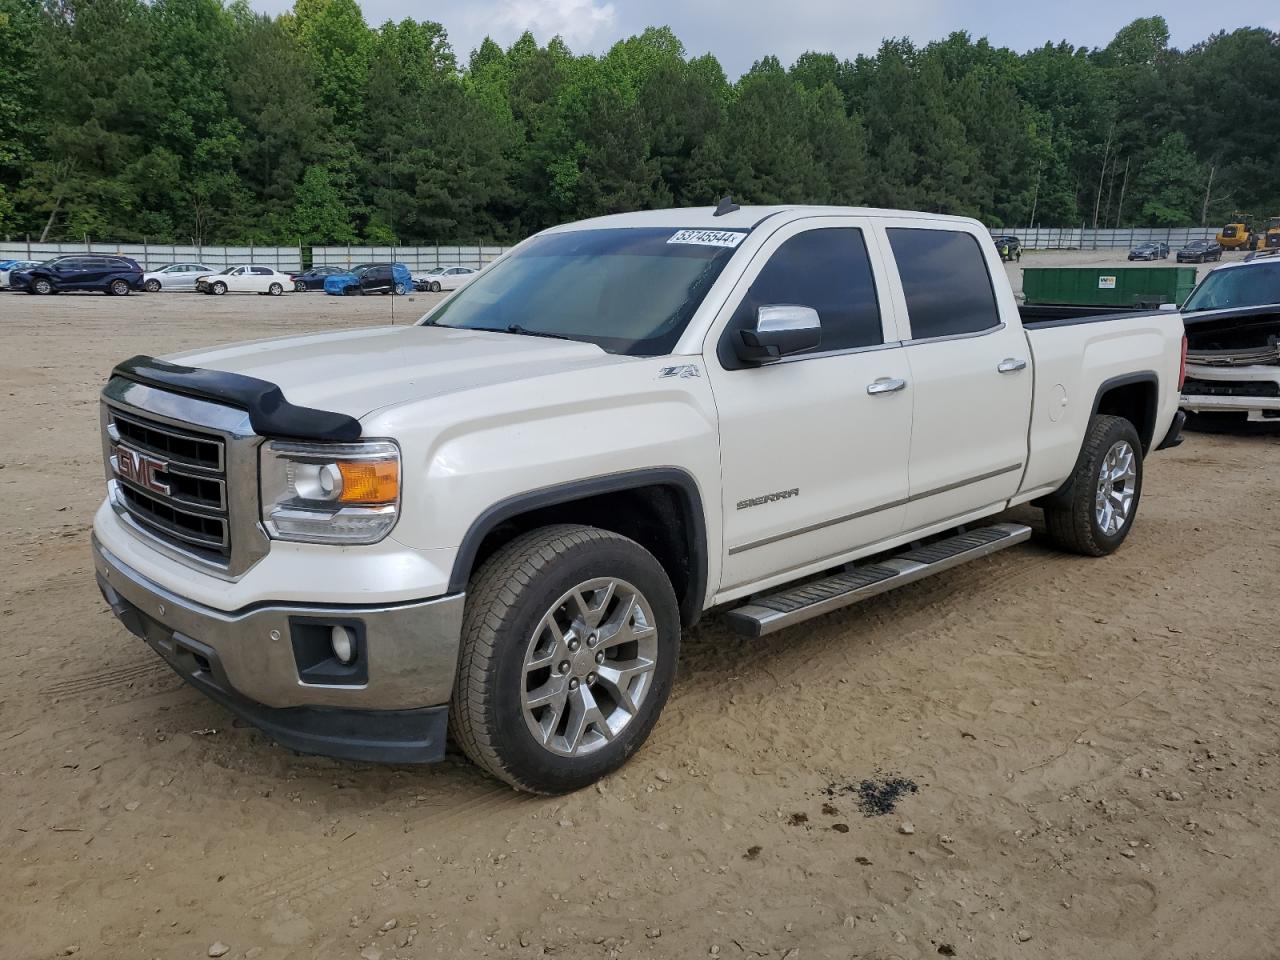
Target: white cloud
x=584 y=24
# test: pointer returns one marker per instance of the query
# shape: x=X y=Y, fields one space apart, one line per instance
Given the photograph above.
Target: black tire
x=1072 y=524
x=299 y=287
x=506 y=600
x=435 y=286
x=118 y=288
x=218 y=289
x=151 y=286
x=275 y=289
x=41 y=286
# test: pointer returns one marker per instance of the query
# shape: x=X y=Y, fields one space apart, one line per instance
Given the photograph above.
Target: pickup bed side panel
x=1072 y=363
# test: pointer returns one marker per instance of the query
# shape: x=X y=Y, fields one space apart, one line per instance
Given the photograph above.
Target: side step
x=767 y=614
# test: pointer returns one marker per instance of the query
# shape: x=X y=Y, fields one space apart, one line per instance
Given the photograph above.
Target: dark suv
x=114 y=275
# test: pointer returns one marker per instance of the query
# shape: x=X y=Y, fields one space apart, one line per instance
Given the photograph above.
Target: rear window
x=945 y=280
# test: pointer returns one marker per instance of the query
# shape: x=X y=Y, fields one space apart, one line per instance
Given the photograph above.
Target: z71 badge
x=769 y=498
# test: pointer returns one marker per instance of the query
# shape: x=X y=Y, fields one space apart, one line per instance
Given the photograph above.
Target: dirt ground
x=1095 y=746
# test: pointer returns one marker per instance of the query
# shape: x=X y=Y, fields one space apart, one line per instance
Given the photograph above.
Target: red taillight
x=1182 y=366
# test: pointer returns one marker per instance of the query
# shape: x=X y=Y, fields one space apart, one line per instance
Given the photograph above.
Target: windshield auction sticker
x=708 y=238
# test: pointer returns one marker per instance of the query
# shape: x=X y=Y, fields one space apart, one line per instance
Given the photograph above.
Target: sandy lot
x=1095 y=746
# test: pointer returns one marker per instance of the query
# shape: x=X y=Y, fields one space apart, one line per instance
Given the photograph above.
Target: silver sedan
x=175 y=276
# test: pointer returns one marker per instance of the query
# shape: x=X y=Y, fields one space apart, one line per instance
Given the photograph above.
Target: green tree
x=319 y=215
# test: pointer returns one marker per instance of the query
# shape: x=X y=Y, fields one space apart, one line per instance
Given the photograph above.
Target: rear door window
x=945 y=280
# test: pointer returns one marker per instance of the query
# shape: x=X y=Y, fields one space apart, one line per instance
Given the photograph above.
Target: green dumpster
x=1135 y=287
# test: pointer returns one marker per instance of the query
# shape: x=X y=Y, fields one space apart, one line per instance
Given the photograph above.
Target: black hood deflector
x=270 y=414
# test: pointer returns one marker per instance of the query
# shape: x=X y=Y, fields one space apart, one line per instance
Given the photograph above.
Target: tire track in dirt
x=320 y=871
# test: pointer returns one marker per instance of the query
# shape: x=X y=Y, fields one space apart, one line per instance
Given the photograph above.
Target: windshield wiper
x=526 y=332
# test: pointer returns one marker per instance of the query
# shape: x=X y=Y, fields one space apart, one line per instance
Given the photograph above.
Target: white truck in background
x=500 y=519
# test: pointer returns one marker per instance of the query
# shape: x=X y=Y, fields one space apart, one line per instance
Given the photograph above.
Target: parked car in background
x=371 y=278
x=174 y=276
x=1200 y=251
x=9 y=266
x=247 y=278
x=1010 y=247
x=314 y=278
x=1233 y=341
x=117 y=276
x=444 y=278
x=1150 y=251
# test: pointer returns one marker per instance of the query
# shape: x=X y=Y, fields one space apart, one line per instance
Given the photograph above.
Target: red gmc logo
x=140 y=469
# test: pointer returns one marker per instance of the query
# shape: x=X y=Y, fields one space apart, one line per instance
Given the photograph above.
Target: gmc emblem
x=140 y=469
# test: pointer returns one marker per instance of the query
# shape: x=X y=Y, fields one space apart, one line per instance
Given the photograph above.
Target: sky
x=739 y=32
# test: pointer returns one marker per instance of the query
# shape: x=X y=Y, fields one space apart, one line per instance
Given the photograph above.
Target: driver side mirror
x=780 y=331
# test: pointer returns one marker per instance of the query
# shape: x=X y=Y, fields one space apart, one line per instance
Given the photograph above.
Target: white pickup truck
x=501 y=518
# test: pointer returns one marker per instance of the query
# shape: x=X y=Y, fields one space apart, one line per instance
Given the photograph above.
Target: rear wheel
x=1105 y=489
x=275 y=289
x=299 y=287
x=569 y=648
x=152 y=286
x=118 y=288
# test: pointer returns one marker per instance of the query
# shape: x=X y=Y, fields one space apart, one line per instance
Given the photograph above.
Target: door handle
x=1011 y=365
x=886 y=385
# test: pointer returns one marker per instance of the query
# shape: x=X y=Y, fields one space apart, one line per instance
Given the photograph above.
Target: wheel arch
x=1134 y=396
x=660 y=508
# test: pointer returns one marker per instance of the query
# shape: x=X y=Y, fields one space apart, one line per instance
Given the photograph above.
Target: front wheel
x=435 y=286
x=402 y=289
x=152 y=286
x=569 y=647
x=275 y=289
x=1102 y=501
x=41 y=286
x=218 y=289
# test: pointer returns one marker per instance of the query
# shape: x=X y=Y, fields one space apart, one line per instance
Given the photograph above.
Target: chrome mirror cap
x=780 y=330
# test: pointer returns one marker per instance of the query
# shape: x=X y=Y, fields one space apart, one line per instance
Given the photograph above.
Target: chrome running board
x=766 y=614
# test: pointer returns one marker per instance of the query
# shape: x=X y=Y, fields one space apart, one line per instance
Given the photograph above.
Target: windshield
x=630 y=291
x=223 y=273
x=1251 y=286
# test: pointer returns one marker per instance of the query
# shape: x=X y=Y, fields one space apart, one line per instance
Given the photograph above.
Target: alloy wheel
x=589 y=666
x=1113 y=502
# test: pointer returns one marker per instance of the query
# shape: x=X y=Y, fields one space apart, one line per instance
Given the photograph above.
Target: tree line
x=180 y=120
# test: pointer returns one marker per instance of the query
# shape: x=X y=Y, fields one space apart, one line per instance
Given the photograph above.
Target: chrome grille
x=172 y=481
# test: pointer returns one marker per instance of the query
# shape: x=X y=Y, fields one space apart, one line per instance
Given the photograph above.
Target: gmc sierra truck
x=499 y=520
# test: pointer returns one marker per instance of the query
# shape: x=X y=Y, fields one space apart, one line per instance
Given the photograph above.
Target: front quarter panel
x=468 y=451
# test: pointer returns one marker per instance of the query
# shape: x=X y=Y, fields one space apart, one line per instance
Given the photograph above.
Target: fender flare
x=1124 y=380
x=681 y=481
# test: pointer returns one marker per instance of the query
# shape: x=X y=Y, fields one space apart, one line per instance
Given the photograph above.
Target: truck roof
x=743 y=218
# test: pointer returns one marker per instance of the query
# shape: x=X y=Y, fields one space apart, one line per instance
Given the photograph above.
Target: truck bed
x=1048 y=315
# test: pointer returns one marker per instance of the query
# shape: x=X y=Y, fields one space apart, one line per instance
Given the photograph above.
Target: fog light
x=344 y=644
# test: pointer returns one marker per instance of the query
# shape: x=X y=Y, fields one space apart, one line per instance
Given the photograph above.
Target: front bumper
x=1253 y=389
x=266 y=663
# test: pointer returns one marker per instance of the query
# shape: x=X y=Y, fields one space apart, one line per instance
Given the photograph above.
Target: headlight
x=330 y=492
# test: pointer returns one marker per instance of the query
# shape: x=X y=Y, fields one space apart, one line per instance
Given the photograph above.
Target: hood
x=358 y=371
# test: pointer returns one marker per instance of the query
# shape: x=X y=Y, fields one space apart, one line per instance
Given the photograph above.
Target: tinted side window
x=944 y=276
x=827 y=269
x=262 y=271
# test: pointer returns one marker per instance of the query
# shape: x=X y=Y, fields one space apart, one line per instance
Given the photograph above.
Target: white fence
x=415 y=258
x=151 y=255
x=1078 y=238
